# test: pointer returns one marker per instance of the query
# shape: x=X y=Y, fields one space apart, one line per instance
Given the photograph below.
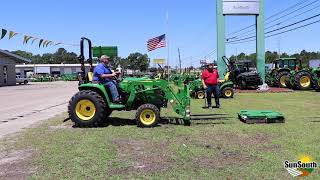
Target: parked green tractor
x=92 y=105
x=299 y=79
x=316 y=79
x=281 y=69
x=225 y=85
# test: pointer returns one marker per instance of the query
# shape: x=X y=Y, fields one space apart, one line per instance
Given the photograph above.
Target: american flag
x=157 y=42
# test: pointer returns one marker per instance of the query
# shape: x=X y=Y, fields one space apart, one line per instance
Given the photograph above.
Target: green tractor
x=282 y=67
x=225 y=85
x=300 y=79
x=92 y=105
x=316 y=79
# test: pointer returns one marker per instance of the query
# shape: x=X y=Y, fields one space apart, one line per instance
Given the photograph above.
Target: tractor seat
x=90 y=76
x=226 y=78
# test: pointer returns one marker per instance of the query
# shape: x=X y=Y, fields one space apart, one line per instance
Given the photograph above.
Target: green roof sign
x=111 y=51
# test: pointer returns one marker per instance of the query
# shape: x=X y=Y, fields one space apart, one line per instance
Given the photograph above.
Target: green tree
x=24 y=54
x=63 y=56
x=138 y=61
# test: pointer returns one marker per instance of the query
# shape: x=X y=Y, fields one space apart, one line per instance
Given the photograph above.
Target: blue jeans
x=216 y=92
x=113 y=89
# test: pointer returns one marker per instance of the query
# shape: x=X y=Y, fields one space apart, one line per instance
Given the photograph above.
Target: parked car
x=21 y=80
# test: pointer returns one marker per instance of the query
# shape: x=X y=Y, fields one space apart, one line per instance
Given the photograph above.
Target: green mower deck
x=260 y=116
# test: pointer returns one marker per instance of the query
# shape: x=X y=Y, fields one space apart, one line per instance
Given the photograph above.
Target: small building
x=8 y=61
x=49 y=69
x=314 y=63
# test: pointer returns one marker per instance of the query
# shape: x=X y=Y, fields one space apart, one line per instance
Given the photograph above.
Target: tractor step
x=260 y=117
x=116 y=106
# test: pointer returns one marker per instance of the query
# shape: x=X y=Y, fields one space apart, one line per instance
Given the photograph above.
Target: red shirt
x=210 y=78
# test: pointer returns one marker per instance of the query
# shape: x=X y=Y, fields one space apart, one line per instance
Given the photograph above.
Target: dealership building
x=48 y=69
x=8 y=61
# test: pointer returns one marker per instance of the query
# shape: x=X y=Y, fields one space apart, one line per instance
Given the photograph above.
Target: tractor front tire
x=148 y=115
x=200 y=95
x=303 y=80
x=227 y=92
x=281 y=79
x=87 y=109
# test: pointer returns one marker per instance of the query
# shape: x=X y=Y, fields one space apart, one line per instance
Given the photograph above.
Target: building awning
x=17 y=58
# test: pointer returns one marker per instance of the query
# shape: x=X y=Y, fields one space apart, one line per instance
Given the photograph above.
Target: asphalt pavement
x=24 y=105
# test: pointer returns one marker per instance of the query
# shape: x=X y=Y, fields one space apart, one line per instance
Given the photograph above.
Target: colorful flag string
x=27 y=38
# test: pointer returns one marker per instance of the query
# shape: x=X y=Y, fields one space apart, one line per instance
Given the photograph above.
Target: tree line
x=141 y=62
x=304 y=55
x=135 y=61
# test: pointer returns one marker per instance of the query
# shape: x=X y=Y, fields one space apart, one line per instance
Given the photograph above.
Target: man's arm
x=202 y=80
x=203 y=84
x=105 y=76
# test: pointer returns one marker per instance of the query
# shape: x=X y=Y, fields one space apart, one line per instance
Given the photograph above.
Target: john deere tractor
x=301 y=78
x=316 y=79
x=225 y=85
x=281 y=69
x=92 y=105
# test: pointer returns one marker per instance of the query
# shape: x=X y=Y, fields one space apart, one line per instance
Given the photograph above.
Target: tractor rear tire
x=281 y=79
x=87 y=109
x=227 y=92
x=148 y=116
x=303 y=80
x=288 y=82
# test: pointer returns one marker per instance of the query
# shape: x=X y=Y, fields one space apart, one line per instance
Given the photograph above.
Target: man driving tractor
x=103 y=74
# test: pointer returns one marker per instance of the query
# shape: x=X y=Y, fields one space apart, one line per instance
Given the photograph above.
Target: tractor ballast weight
x=92 y=105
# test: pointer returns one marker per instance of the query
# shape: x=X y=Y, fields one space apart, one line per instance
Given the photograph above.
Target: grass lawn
x=219 y=148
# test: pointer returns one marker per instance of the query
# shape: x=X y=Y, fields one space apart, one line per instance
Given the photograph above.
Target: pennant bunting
x=12 y=34
x=26 y=39
x=34 y=39
x=40 y=42
x=44 y=43
x=3 y=33
x=47 y=44
x=51 y=43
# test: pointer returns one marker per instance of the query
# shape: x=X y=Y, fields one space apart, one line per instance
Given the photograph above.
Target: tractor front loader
x=92 y=105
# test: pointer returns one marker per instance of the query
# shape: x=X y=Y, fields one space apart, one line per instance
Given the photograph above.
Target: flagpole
x=168 y=48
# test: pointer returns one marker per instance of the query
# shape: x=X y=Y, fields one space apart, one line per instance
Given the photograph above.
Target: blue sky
x=129 y=24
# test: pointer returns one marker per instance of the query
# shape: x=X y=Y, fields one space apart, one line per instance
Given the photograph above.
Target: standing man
x=210 y=80
x=103 y=74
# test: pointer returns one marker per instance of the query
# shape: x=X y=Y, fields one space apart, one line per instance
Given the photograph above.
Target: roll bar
x=81 y=58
